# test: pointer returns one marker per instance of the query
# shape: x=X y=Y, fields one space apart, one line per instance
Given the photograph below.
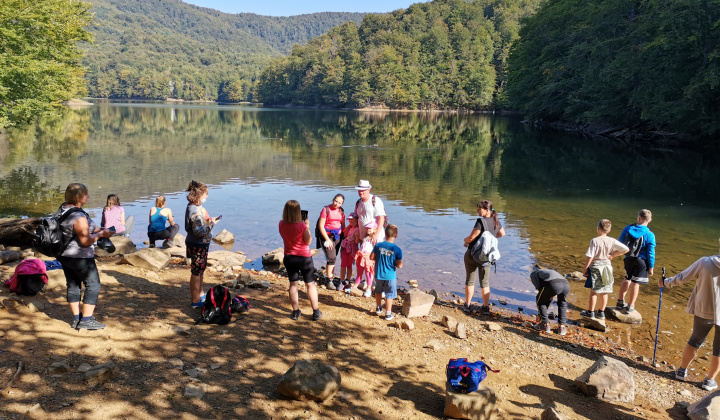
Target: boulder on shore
x=226 y=258
x=224 y=237
x=707 y=408
x=310 y=379
x=478 y=405
x=417 y=303
x=593 y=324
x=122 y=244
x=608 y=380
x=273 y=257
x=619 y=315
x=148 y=258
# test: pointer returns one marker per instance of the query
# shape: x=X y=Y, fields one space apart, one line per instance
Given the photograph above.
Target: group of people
x=368 y=243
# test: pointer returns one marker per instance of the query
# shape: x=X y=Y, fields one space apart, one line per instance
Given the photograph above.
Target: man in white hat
x=370 y=208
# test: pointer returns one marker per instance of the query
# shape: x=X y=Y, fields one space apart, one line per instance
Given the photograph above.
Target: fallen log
x=18 y=232
x=10 y=256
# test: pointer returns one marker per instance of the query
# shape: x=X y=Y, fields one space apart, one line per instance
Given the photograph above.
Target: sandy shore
x=386 y=373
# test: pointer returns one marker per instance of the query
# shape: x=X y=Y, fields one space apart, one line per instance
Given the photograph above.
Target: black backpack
x=30 y=284
x=634 y=244
x=48 y=238
x=218 y=306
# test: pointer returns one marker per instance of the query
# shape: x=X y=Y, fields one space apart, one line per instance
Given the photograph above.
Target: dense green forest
x=448 y=54
x=155 y=49
x=650 y=64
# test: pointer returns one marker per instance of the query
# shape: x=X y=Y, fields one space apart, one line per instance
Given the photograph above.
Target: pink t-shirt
x=113 y=217
x=334 y=219
x=292 y=234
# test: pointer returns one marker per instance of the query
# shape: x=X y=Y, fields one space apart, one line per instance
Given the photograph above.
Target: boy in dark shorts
x=388 y=258
x=639 y=261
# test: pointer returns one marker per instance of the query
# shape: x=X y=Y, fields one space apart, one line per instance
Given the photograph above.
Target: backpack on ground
x=218 y=306
x=48 y=238
x=240 y=305
x=386 y=223
x=634 y=244
x=485 y=250
x=30 y=277
x=465 y=376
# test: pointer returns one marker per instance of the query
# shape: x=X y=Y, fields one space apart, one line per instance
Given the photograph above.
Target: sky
x=298 y=7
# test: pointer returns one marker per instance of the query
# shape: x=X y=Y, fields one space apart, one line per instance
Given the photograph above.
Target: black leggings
x=550 y=289
x=168 y=233
x=79 y=271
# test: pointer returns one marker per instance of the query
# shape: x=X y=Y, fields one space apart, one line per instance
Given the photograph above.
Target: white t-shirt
x=367 y=213
x=601 y=247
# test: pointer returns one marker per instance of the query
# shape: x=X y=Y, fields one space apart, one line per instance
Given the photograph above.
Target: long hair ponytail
x=488 y=205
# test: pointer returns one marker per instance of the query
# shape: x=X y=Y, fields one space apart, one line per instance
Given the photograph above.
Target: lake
x=430 y=169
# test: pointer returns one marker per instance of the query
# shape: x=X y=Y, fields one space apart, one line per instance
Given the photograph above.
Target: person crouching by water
x=159 y=215
x=704 y=304
x=78 y=258
x=295 y=232
x=485 y=211
x=550 y=283
x=198 y=225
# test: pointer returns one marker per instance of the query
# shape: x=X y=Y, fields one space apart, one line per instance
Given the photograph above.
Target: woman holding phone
x=295 y=230
x=198 y=225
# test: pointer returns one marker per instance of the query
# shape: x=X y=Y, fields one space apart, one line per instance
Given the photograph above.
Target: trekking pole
x=657 y=328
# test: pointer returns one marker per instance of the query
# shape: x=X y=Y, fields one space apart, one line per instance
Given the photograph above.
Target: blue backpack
x=465 y=376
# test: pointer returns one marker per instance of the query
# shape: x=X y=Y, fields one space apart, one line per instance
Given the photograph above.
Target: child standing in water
x=365 y=266
x=349 y=248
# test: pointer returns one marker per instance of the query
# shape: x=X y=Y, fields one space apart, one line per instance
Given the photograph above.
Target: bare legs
x=87 y=310
x=689 y=354
x=196 y=287
x=484 y=292
x=311 y=292
x=633 y=288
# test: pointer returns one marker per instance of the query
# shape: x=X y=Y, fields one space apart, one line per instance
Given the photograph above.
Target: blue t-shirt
x=386 y=253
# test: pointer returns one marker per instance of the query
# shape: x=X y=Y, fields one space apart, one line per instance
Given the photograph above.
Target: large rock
x=122 y=244
x=310 y=379
x=148 y=258
x=60 y=367
x=616 y=314
x=417 y=303
x=100 y=373
x=273 y=257
x=179 y=249
x=707 y=408
x=608 y=380
x=593 y=324
x=226 y=258
x=224 y=237
x=478 y=405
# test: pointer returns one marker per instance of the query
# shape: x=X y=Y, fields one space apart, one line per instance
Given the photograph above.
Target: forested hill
x=143 y=46
x=447 y=54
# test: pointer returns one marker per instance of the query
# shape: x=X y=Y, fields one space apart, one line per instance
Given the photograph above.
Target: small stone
x=551 y=414
x=493 y=326
x=449 y=322
x=182 y=329
x=685 y=393
x=215 y=366
x=194 y=373
x=461 y=331
x=405 y=324
x=84 y=367
x=100 y=373
x=36 y=412
x=194 y=390
x=260 y=284
x=58 y=367
x=35 y=307
x=434 y=344
x=310 y=379
x=176 y=363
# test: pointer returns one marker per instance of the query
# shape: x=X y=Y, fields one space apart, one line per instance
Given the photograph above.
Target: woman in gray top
x=78 y=259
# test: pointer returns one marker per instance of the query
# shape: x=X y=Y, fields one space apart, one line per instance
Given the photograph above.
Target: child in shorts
x=638 y=267
x=349 y=248
x=388 y=258
x=599 y=269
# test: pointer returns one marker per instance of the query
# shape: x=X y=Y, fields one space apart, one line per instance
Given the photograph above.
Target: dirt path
x=386 y=373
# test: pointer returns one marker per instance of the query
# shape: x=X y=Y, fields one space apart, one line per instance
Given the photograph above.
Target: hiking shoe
x=681 y=374
x=348 y=290
x=90 y=324
x=379 y=310
x=588 y=314
x=709 y=384
x=294 y=315
x=330 y=286
x=390 y=316
x=620 y=304
x=316 y=314
x=466 y=308
x=485 y=310
x=197 y=305
x=562 y=330
x=541 y=326
x=600 y=314
x=74 y=323
x=363 y=285
x=628 y=309
x=151 y=246
x=367 y=293
x=168 y=244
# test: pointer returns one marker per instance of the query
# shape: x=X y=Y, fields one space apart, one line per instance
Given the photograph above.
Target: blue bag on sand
x=465 y=376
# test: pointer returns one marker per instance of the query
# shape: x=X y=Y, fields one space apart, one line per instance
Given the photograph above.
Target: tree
x=39 y=56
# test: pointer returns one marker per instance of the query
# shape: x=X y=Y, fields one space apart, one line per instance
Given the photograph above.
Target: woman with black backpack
x=327 y=232
x=78 y=258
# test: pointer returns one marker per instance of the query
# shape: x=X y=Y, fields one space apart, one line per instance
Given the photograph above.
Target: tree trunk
x=18 y=232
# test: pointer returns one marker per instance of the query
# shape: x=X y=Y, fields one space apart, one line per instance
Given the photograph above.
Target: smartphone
x=111 y=228
x=219 y=217
x=304 y=214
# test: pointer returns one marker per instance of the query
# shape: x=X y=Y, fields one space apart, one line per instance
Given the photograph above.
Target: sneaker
x=168 y=243
x=363 y=285
x=151 y=246
x=389 y=316
x=294 y=315
x=485 y=310
x=379 y=311
x=316 y=314
x=709 y=384
x=197 y=305
x=562 y=330
x=588 y=314
x=681 y=374
x=348 y=290
x=541 y=326
x=466 y=308
x=628 y=309
x=330 y=286
x=367 y=293
x=74 y=323
x=620 y=304
x=91 y=324
x=600 y=314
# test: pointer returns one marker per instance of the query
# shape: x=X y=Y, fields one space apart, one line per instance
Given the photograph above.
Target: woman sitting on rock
x=159 y=215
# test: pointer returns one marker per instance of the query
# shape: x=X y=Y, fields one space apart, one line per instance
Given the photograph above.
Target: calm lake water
x=430 y=169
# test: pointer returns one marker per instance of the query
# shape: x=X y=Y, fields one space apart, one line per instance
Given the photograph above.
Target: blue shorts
x=387 y=286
